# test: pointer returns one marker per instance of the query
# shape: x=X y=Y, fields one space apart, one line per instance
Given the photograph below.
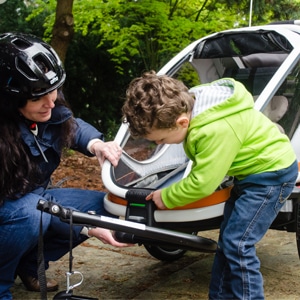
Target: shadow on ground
x=131 y=273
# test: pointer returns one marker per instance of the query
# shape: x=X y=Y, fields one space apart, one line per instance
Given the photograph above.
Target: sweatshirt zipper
x=34 y=129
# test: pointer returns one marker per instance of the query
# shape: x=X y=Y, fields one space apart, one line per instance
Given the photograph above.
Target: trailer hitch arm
x=165 y=236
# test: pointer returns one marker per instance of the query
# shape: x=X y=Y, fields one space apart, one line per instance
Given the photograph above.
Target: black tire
x=165 y=253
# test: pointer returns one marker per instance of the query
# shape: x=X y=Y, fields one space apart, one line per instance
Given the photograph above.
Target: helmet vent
x=21 y=44
x=23 y=67
x=42 y=63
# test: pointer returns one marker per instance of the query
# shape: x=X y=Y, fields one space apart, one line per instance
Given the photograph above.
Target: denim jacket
x=48 y=140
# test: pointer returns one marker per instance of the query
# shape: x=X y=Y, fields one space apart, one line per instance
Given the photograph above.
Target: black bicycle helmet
x=29 y=67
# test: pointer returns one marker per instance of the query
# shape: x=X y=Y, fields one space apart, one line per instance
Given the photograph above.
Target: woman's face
x=39 y=109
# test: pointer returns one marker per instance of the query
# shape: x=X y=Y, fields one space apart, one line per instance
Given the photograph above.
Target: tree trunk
x=63 y=29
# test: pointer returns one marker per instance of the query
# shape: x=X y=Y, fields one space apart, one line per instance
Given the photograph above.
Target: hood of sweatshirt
x=219 y=99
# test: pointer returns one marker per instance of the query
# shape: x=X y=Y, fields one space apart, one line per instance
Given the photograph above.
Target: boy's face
x=166 y=136
x=174 y=135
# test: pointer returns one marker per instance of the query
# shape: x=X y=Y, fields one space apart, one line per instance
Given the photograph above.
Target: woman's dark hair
x=19 y=174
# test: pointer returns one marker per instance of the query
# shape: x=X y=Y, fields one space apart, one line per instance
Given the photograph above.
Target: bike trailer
x=266 y=59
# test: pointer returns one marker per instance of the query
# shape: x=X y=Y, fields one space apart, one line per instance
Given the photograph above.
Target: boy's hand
x=156 y=198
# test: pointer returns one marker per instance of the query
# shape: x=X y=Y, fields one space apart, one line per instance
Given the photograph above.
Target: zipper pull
x=33 y=128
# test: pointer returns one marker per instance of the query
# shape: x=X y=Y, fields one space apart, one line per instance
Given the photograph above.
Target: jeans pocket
x=284 y=192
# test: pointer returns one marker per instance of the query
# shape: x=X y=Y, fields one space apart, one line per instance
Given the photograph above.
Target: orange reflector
x=215 y=198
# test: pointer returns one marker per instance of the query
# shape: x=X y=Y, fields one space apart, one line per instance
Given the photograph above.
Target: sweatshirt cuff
x=91 y=143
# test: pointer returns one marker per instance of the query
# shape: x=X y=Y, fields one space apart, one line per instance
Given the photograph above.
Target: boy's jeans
x=248 y=214
x=19 y=231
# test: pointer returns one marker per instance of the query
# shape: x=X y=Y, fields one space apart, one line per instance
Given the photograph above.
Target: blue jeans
x=248 y=214
x=19 y=231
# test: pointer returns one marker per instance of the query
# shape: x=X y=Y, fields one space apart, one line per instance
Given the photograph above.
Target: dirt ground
x=132 y=273
x=79 y=171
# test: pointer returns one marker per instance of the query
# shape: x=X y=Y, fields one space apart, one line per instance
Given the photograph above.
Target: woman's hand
x=156 y=198
x=106 y=237
x=107 y=150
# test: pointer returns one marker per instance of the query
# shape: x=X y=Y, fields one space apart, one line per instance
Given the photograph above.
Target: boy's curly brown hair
x=155 y=101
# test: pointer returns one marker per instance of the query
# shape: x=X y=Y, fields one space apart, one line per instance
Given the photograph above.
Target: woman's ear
x=183 y=121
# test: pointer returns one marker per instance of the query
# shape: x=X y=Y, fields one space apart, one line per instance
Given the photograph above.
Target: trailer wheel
x=169 y=253
x=165 y=253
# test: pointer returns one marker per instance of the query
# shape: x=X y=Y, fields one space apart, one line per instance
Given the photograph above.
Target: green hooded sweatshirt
x=227 y=136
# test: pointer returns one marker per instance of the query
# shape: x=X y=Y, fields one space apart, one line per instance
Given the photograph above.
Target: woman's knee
x=78 y=199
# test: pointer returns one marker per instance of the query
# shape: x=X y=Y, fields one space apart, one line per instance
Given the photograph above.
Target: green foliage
x=149 y=31
x=113 y=127
x=14 y=15
x=46 y=11
x=264 y=11
x=92 y=87
x=117 y=40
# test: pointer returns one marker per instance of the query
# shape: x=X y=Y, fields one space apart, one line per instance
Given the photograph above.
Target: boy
x=223 y=135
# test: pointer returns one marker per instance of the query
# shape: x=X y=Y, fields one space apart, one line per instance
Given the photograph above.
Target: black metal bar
x=173 y=238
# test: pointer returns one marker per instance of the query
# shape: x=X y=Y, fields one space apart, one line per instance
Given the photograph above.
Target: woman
x=35 y=126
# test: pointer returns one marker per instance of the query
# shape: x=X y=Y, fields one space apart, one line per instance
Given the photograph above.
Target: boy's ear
x=183 y=121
